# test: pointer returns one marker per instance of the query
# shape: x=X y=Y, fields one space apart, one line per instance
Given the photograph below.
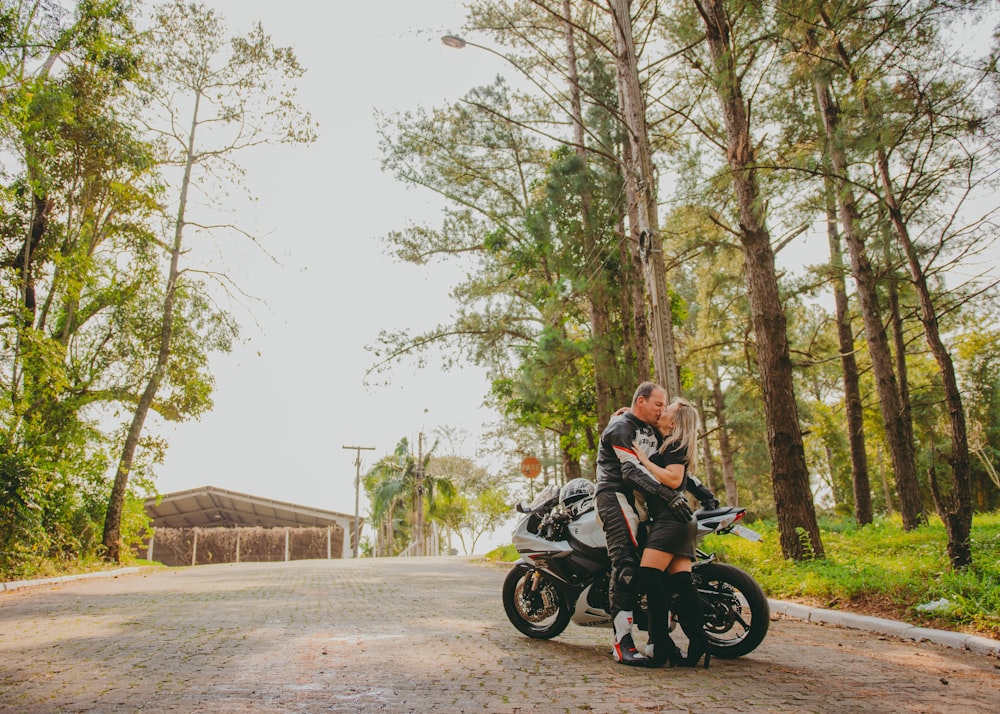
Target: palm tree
x=401 y=491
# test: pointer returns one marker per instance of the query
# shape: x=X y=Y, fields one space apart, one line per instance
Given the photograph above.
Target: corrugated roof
x=210 y=506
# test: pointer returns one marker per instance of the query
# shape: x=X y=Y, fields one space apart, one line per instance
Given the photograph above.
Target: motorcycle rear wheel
x=534 y=604
x=737 y=615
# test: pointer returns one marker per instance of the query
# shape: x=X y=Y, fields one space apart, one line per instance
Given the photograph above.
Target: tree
x=861 y=486
x=918 y=121
x=977 y=354
x=641 y=186
x=790 y=477
x=238 y=94
x=948 y=110
x=478 y=504
x=75 y=252
x=401 y=487
x=516 y=208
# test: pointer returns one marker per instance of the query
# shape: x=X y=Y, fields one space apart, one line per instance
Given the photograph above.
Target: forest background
x=630 y=181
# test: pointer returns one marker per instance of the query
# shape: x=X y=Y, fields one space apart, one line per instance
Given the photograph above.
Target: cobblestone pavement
x=415 y=635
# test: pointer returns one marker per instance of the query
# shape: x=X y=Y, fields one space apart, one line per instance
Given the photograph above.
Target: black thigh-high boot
x=692 y=618
x=654 y=583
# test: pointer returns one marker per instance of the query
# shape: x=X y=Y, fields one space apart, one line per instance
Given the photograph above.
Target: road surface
x=416 y=635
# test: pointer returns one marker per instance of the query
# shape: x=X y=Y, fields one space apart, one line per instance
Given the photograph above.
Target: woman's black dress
x=668 y=533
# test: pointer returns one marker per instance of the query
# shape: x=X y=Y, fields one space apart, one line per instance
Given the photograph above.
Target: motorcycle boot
x=660 y=649
x=624 y=648
x=692 y=619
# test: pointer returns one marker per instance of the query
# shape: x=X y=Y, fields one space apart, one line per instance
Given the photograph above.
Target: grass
x=51 y=568
x=879 y=570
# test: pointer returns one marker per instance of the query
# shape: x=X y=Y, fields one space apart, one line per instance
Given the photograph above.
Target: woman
x=670 y=542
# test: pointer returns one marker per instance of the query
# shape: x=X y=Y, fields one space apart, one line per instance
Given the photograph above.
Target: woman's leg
x=653 y=581
x=679 y=564
x=691 y=616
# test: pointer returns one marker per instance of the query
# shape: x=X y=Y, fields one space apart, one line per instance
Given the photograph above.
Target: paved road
x=415 y=635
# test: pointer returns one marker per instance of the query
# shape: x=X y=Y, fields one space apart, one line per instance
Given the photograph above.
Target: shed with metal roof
x=212 y=507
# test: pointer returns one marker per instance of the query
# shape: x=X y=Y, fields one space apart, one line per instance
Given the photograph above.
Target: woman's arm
x=671 y=475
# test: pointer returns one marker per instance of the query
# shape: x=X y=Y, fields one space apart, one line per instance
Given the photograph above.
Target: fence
x=200 y=546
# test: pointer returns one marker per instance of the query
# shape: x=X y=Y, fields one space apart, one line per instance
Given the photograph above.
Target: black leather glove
x=680 y=506
x=703 y=493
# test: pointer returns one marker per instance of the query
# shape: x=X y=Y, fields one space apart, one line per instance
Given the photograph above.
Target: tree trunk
x=725 y=450
x=640 y=185
x=793 y=500
x=706 y=449
x=604 y=358
x=957 y=515
x=899 y=428
x=116 y=503
x=900 y=447
x=849 y=366
x=571 y=466
x=891 y=283
x=22 y=263
x=635 y=293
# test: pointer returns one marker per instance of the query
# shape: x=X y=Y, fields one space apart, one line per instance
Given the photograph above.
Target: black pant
x=620 y=523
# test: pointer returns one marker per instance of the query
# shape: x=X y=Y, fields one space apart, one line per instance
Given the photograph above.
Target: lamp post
x=458 y=43
x=357 y=492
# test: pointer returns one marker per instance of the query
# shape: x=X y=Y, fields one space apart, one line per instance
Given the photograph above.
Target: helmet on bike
x=577 y=496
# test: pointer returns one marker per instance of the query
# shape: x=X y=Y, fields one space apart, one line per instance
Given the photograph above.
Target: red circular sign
x=530 y=466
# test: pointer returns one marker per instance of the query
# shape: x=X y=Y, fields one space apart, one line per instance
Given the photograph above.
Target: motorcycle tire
x=534 y=605
x=737 y=615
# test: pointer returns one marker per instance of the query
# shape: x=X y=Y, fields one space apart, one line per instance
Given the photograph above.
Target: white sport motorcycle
x=564 y=574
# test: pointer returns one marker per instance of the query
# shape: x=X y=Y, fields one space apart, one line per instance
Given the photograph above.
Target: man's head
x=648 y=402
x=679 y=416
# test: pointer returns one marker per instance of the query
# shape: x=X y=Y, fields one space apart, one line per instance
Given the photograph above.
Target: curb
x=18 y=584
x=893 y=628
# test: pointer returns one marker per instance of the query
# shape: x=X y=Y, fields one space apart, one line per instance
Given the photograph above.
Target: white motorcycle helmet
x=577 y=496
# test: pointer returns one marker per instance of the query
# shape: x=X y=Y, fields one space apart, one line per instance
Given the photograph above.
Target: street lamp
x=459 y=43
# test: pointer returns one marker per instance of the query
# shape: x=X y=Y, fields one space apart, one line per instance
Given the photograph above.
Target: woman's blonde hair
x=685 y=432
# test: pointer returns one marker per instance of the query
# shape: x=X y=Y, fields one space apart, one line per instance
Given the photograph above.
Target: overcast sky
x=292 y=394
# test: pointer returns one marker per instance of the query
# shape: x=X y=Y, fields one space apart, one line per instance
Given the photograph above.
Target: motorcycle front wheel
x=534 y=604
x=737 y=615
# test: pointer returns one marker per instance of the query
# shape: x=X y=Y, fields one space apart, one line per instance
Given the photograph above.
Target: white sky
x=291 y=396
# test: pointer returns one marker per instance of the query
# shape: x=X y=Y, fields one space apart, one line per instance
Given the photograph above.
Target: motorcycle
x=564 y=574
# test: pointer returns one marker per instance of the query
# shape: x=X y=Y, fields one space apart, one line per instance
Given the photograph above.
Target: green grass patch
x=52 y=568
x=882 y=570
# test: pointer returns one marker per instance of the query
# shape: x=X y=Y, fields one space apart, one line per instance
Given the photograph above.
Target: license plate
x=745 y=532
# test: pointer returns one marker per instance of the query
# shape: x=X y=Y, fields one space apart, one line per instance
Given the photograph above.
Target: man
x=619 y=474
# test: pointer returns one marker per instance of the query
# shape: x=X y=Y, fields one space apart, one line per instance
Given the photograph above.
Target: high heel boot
x=661 y=649
x=692 y=619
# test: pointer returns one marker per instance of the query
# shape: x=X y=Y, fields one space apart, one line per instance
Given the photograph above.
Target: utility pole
x=421 y=542
x=640 y=184
x=357 y=491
